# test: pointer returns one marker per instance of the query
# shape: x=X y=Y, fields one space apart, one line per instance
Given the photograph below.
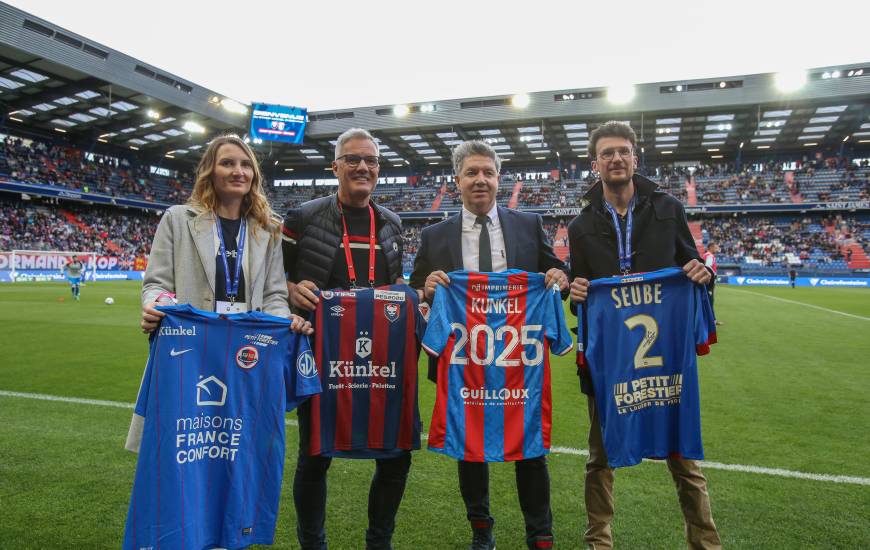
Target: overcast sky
x=332 y=54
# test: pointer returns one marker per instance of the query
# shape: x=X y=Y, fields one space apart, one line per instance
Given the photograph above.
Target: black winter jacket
x=312 y=235
x=660 y=238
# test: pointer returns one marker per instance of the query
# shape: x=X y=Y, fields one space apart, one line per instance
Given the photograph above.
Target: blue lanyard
x=232 y=287
x=624 y=248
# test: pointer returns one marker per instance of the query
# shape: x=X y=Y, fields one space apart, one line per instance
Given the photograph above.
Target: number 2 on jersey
x=651 y=328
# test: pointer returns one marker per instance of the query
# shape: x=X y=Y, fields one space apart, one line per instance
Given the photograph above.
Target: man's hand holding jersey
x=554 y=275
x=697 y=272
x=302 y=295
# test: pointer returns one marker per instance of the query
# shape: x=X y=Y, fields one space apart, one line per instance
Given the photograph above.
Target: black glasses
x=354 y=160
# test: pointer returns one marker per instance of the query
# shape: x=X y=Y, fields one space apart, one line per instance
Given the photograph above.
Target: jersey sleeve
x=301 y=379
x=705 y=322
x=438 y=329
x=555 y=326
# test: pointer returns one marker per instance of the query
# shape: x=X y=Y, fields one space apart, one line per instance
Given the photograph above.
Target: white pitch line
x=852 y=480
x=79 y=401
x=786 y=300
x=708 y=465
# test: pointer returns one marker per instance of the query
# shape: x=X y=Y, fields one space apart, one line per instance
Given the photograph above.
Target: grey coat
x=182 y=262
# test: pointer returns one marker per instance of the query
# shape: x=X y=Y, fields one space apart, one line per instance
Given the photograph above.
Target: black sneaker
x=482 y=538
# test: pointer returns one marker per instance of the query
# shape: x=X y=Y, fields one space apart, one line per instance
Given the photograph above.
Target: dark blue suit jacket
x=526 y=245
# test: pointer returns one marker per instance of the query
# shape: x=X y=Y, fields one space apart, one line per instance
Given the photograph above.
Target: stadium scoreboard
x=278 y=123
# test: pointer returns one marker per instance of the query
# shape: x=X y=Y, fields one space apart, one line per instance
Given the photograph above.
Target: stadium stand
x=105 y=230
x=751 y=243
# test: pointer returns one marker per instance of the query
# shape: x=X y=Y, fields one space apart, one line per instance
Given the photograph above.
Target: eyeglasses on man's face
x=354 y=160
x=608 y=154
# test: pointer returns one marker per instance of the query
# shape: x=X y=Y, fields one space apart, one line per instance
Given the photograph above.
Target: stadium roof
x=58 y=82
x=55 y=81
x=691 y=119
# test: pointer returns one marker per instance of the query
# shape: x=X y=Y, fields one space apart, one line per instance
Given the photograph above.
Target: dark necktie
x=485 y=255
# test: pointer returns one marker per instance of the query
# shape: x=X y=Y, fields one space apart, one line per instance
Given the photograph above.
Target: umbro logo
x=337 y=310
x=174 y=353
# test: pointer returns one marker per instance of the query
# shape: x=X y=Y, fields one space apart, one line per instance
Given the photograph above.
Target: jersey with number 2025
x=493 y=332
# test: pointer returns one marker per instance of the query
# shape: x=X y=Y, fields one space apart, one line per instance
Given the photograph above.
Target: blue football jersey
x=211 y=458
x=638 y=336
x=367 y=342
x=494 y=332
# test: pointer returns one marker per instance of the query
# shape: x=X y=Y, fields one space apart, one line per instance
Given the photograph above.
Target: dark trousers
x=533 y=489
x=385 y=495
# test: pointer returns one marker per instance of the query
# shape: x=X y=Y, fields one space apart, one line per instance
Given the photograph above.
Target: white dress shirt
x=471 y=241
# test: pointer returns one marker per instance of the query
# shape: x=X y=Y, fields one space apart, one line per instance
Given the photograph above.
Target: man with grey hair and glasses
x=344 y=241
x=486 y=237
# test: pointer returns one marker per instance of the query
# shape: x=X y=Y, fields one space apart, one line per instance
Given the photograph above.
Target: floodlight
x=790 y=81
x=620 y=94
x=521 y=101
x=401 y=110
x=193 y=127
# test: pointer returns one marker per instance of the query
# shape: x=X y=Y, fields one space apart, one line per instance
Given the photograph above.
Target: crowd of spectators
x=771 y=242
x=716 y=183
x=104 y=230
x=34 y=161
x=763 y=241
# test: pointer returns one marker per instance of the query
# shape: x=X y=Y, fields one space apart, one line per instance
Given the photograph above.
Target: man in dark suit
x=487 y=237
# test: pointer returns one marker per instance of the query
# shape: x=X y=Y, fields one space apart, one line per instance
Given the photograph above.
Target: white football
x=110 y=301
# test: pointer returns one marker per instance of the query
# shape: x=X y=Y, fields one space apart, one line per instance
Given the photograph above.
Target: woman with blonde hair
x=222 y=250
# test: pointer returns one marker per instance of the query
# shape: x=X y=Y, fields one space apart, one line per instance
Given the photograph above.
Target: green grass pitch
x=786 y=387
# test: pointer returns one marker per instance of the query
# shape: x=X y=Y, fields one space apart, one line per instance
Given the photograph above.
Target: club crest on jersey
x=247 y=357
x=327 y=294
x=211 y=391
x=305 y=365
x=391 y=311
x=363 y=345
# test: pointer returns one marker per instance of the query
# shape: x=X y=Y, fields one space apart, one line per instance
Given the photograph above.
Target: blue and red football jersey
x=367 y=342
x=639 y=336
x=211 y=458
x=493 y=332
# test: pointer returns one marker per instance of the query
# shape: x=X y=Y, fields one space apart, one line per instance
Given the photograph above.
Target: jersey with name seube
x=367 y=342
x=493 y=333
x=213 y=397
x=639 y=336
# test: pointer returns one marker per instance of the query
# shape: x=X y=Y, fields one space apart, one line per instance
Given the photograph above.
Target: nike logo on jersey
x=174 y=353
